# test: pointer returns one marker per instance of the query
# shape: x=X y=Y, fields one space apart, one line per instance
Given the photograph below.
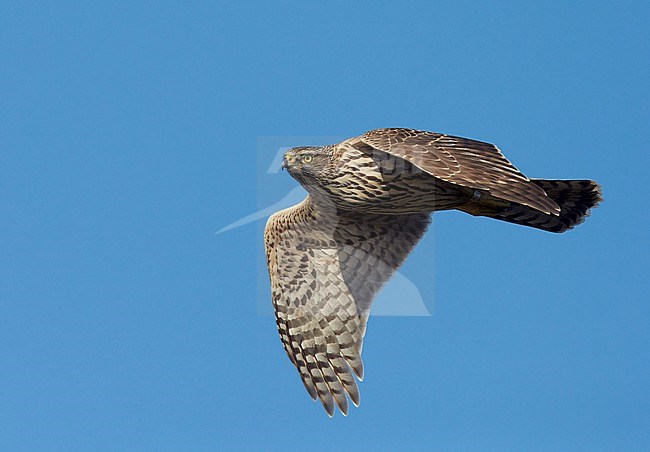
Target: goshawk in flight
x=370 y=200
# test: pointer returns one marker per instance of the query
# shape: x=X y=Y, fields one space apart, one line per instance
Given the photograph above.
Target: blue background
x=129 y=135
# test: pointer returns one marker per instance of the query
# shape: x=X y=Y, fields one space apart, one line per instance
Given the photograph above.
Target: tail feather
x=575 y=198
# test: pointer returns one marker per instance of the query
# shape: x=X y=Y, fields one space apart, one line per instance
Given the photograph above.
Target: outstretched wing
x=461 y=161
x=325 y=268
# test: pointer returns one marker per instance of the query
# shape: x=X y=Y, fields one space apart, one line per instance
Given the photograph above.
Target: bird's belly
x=402 y=195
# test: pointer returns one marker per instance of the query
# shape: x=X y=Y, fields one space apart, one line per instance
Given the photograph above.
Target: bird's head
x=311 y=166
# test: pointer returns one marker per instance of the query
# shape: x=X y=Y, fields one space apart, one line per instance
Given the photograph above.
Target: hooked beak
x=285 y=164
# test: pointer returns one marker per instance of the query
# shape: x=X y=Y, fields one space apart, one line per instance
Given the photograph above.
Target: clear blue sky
x=130 y=133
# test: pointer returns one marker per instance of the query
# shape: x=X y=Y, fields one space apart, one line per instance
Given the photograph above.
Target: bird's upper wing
x=461 y=161
x=325 y=268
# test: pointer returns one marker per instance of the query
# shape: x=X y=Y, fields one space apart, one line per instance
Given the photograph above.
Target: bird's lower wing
x=325 y=268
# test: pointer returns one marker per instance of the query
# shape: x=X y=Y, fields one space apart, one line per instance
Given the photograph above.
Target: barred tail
x=575 y=198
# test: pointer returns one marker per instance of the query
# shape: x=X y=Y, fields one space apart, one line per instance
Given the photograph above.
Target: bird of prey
x=369 y=202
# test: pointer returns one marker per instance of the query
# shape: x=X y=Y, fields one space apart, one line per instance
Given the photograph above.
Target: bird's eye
x=307 y=158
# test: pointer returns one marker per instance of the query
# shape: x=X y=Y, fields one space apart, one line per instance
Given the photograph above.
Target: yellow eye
x=307 y=158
